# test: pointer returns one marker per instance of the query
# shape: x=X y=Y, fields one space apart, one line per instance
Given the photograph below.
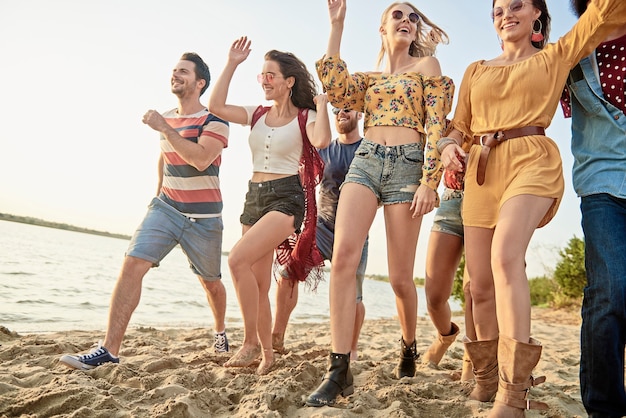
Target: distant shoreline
x=40 y=222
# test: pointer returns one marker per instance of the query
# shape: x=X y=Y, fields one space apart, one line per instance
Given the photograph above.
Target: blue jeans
x=603 y=332
x=392 y=173
x=164 y=227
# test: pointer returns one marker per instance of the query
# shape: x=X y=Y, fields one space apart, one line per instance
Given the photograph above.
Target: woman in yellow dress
x=514 y=180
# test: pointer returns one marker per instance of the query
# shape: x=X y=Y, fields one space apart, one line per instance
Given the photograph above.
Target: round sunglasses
x=514 y=7
x=399 y=14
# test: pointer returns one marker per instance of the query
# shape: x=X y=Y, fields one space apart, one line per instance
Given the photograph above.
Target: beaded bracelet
x=444 y=142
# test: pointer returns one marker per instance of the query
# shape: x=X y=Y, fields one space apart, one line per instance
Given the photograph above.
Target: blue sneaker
x=96 y=357
x=221 y=342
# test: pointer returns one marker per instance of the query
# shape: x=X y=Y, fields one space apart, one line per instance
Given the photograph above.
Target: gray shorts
x=448 y=218
x=392 y=173
x=283 y=195
x=325 y=238
x=164 y=227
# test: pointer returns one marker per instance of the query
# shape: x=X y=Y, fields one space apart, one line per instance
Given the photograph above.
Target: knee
x=403 y=287
x=236 y=263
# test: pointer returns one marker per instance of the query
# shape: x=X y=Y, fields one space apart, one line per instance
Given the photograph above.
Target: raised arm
x=319 y=131
x=337 y=13
x=238 y=53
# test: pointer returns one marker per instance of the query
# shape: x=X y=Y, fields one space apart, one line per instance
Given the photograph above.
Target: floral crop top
x=409 y=100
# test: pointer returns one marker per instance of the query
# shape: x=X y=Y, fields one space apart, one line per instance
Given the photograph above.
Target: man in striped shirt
x=186 y=211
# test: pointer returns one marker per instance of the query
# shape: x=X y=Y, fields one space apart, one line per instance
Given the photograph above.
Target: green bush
x=542 y=290
x=570 y=272
x=457 y=285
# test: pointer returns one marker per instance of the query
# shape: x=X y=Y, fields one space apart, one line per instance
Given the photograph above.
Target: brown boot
x=484 y=357
x=467 y=373
x=439 y=347
x=517 y=361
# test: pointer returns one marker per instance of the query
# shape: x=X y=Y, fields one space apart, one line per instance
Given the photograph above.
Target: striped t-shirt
x=192 y=192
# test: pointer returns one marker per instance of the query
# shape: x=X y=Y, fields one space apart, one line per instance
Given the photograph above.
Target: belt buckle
x=482 y=144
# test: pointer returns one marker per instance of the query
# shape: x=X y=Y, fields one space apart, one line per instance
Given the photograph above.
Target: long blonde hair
x=428 y=35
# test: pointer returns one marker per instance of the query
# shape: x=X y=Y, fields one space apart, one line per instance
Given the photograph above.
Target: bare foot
x=278 y=343
x=244 y=357
x=266 y=363
x=354 y=355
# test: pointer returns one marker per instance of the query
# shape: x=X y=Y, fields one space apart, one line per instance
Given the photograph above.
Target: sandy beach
x=175 y=373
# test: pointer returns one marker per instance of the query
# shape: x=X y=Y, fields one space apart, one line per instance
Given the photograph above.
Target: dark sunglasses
x=514 y=7
x=337 y=111
x=399 y=14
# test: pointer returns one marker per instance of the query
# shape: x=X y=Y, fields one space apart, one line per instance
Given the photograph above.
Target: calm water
x=55 y=280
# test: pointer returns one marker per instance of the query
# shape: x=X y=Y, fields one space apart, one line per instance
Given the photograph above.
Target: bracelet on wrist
x=444 y=142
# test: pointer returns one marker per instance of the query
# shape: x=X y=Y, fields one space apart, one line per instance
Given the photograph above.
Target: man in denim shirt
x=595 y=95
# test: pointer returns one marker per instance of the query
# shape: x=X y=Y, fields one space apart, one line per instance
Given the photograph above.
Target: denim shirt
x=598 y=135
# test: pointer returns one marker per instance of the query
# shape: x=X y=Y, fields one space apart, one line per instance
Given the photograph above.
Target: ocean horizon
x=58 y=280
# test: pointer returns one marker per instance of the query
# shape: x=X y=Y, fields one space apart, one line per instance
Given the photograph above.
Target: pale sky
x=79 y=75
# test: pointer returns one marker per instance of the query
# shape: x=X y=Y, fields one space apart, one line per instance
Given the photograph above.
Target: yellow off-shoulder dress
x=527 y=93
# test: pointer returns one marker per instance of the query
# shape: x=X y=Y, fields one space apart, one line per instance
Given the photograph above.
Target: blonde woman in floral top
x=397 y=166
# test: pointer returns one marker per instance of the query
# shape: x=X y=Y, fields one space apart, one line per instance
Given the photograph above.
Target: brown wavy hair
x=428 y=35
x=304 y=88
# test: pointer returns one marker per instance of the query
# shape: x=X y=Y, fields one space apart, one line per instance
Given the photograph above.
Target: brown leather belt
x=488 y=141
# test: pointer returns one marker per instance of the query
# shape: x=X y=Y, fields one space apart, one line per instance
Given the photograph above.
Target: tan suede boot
x=439 y=347
x=517 y=361
x=484 y=357
x=467 y=373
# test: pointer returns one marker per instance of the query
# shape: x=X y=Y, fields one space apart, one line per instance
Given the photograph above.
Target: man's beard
x=344 y=128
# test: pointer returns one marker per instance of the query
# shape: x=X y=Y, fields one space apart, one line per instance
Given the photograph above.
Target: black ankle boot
x=337 y=381
x=408 y=356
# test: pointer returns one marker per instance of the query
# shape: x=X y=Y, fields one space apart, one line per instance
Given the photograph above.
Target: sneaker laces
x=97 y=351
x=221 y=344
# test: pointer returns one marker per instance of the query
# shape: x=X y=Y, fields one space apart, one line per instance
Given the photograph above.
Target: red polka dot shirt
x=611 y=57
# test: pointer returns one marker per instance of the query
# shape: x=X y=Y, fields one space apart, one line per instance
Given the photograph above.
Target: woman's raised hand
x=239 y=50
x=337 y=10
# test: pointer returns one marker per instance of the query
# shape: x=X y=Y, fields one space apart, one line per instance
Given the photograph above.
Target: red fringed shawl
x=298 y=255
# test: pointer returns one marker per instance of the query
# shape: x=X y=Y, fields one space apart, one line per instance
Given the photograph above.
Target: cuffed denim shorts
x=392 y=173
x=283 y=195
x=164 y=227
x=448 y=218
x=325 y=239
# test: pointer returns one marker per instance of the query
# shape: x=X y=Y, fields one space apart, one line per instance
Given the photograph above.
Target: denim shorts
x=392 y=173
x=283 y=195
x=448 y=218
x=325 y=238
x=164 y=227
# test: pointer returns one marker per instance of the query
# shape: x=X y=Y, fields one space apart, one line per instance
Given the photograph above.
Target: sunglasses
x=269 y=77
x=337 y=111
x=514 y=7
x=399 y=14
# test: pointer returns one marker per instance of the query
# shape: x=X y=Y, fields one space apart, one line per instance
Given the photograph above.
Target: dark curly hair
x=545 y=20
x=202 y=70
x=304 y=89
x=578 y=6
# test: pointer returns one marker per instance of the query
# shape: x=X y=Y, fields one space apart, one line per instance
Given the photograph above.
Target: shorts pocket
x=412 y=154
x=364 y=150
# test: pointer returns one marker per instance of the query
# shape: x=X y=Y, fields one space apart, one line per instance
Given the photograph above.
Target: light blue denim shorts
x=325 y=239
x=164 y=227
x=448 y=218
x=392 y=173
